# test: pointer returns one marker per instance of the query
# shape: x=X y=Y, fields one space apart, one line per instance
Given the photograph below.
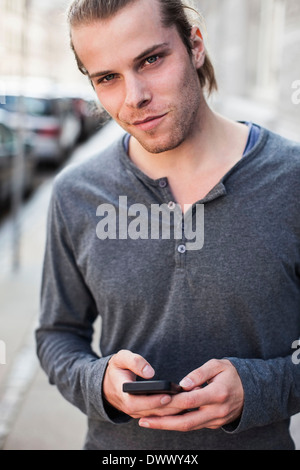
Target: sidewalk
x=33 y=415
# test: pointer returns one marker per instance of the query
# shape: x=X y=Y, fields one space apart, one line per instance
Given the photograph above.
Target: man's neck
x=216 y=141
x=200 y=162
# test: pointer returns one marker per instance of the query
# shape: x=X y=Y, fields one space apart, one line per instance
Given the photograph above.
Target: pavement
x=33 y=415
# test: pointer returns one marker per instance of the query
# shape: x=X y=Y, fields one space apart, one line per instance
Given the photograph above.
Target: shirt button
x=182 y=249
x=172 y=205
x=163 y=184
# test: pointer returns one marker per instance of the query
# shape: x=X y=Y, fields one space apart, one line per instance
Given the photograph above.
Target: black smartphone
x=151 y=387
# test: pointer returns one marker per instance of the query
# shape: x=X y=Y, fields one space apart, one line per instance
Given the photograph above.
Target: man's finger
x=133 y=362
x=204 y=374
x=182 y=423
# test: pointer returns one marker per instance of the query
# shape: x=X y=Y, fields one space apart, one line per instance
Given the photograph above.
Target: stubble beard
x=185 y=121
x=180 y=132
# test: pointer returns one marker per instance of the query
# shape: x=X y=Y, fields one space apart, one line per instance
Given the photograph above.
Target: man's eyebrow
x=100 y=74
x=145 y=53
x=152 y=49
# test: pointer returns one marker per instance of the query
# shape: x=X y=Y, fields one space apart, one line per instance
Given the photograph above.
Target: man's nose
x=138 y=94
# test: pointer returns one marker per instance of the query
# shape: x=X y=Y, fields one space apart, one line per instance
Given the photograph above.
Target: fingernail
x=148 y=372
x=187 y=383
x=165 y=400
x=144 y=424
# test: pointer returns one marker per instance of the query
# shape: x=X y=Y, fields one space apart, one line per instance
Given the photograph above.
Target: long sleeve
x=272 y=391
x=65 y=332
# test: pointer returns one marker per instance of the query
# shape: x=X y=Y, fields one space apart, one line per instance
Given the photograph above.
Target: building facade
x=255 y=46
x=34 y=40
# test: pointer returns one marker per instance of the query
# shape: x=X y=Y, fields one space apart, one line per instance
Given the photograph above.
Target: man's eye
x=107 y=78
x=152 y=59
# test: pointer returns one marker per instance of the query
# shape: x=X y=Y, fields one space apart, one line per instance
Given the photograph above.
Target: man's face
x=142 y=74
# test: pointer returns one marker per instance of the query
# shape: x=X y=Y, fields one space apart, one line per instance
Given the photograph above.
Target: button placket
x=180 y=246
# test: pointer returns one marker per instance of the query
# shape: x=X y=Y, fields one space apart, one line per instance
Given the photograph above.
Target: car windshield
x=33 y=106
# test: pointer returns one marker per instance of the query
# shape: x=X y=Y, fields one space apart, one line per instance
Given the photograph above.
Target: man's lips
x=149 y=123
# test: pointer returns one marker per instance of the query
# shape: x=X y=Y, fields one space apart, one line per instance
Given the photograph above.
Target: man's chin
x=157 y=146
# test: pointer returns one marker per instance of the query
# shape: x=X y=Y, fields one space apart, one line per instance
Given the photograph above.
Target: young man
x=221 y=319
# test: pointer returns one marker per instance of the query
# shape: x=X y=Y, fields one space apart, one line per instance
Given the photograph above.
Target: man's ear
x=198 y=47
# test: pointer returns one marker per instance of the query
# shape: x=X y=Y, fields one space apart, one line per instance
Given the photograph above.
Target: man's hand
x=218 y=403
x=124 y=367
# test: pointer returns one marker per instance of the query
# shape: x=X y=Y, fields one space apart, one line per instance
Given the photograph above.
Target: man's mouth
x=149 y=123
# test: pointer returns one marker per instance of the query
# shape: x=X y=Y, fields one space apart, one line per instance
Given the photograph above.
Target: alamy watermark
x=296 y=93
x=139 y=222
x=2 y=353
x=296 y=354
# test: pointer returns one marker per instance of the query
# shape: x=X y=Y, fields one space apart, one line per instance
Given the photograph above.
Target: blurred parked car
x=85 y=105
x=49 y=118
x=8 y=152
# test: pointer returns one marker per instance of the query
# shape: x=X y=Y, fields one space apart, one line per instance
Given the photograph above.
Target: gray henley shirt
x=238 y=297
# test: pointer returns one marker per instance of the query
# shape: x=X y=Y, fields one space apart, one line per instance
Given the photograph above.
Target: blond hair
x=174 y=13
